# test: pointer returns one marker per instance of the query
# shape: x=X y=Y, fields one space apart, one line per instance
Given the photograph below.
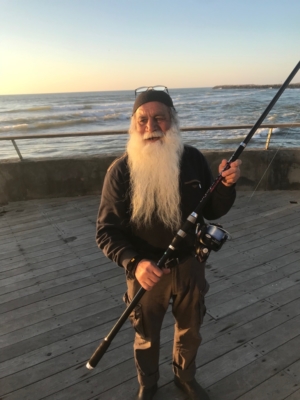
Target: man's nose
x=151 y=125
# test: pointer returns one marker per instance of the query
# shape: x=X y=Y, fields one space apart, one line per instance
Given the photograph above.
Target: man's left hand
x=231 y=175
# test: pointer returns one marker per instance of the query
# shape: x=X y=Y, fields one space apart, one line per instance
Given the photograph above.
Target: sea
x=107 y=111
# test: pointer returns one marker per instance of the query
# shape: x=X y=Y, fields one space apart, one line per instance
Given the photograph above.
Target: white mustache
x=151 y=135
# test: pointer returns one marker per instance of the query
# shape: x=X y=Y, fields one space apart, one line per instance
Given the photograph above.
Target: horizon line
x=172 y=88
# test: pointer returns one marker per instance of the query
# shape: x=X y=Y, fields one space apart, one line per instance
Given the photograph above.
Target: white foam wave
x=37 y=121
x=48 y=125
x=66 y=108
x=118 y=116
x=39 y=108
x=28 y=109
x=272 y=117
x=263 y=132
x=19 y=127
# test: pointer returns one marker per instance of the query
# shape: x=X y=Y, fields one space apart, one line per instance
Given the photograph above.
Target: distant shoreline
x=276 y=86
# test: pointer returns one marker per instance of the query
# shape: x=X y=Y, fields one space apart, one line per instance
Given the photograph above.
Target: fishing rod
x=187 y=226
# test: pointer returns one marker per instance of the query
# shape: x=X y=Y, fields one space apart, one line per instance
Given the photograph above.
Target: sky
x=52 y=46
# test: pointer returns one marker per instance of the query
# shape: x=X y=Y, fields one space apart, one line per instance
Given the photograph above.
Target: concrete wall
x=69 y=177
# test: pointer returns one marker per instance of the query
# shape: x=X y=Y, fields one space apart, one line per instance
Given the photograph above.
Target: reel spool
x=209 y=237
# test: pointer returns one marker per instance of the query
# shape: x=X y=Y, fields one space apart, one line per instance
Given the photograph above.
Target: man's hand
x=231 y=175
x=148 y=273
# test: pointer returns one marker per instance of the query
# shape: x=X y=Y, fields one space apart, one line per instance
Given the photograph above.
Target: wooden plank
x=45 y=285
x=74 y=306
x=244 y=380
x=51 y=302
x=238 y=289
x=25 y=298
x=275 y=388
x=294 y=396
x=242 y=301
x=38 y=279
x=209 y=352
x=56 y=356
x=59 y=333
x=278 y=336
x=25 y=266
x=286 y=296
x=254 y=283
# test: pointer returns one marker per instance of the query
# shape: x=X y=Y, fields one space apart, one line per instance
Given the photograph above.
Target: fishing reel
x=209 y=237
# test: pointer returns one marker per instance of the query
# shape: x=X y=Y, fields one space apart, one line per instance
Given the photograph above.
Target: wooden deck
x=59 y=296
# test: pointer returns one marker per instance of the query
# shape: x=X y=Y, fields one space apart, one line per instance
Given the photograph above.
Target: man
x=147 y=194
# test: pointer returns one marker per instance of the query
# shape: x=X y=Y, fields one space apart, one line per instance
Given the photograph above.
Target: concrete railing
x=69 y=177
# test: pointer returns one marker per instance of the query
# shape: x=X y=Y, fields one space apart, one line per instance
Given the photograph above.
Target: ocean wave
x=39 y=108
x=95 y=106
x=289 y=114
x=230 y=140
x=57 y=120
x=30 y=109
x=263 y=132
x=117 y=116
x=59 y=124
x=19 y=127
x=48 y=125
x=72 y=107
x=272 y=117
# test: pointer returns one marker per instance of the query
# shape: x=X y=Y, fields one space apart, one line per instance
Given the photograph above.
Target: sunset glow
x=72 y=46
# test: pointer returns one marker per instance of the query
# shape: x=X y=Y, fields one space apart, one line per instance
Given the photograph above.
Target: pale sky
x=50 y=46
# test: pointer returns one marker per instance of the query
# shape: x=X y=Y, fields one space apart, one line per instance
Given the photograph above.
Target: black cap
x=152 y=95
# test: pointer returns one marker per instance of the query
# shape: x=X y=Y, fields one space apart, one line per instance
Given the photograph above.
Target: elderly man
x=146 y=196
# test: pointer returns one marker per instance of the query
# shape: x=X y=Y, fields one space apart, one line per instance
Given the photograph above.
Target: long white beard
x=154 y=177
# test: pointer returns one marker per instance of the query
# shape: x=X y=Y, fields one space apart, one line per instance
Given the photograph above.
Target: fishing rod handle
x=98 y=354
x=104 y=345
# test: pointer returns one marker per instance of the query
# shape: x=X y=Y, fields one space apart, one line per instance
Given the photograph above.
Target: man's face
x=152 y=117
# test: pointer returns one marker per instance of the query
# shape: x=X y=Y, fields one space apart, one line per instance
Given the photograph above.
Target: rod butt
x=88 y=365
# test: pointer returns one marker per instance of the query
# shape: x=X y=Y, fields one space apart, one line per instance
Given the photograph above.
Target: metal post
x=269 y=138
x=17 y=150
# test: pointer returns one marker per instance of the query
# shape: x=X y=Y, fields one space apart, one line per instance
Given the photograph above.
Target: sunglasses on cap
x=146 y=88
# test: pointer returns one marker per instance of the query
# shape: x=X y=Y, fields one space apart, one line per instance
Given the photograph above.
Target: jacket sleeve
x=113 y=232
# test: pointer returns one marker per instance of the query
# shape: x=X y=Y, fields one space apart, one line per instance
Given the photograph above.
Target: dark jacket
x=120 y=241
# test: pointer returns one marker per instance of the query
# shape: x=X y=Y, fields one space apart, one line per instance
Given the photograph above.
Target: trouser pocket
x=136 y=317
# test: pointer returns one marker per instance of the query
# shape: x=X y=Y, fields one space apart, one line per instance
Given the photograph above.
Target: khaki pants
x=184 y=287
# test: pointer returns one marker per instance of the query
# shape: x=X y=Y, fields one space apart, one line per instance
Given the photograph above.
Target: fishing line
x=269 y=165
x=263 y=176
